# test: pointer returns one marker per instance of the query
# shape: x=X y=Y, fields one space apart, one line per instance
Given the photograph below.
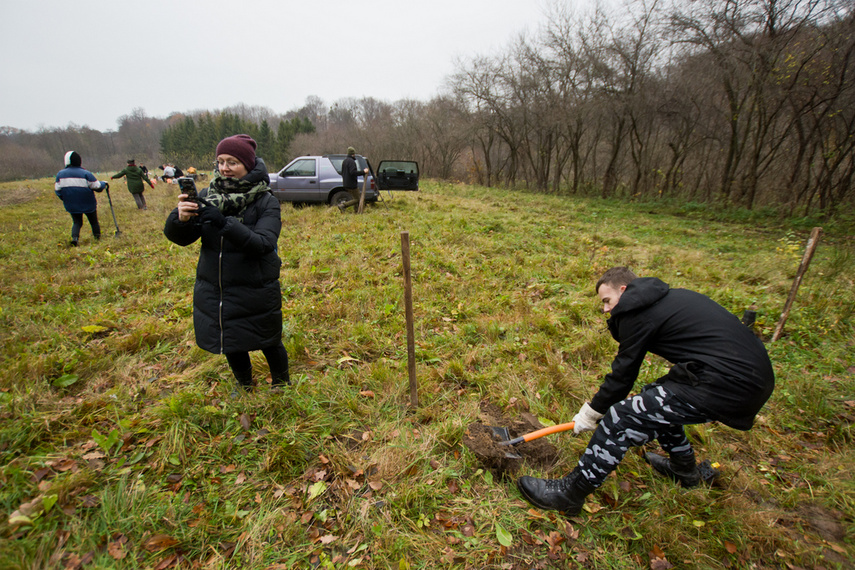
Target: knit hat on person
x=242 y=147
x=72 y=159
x=351 y=150
x=131 y=161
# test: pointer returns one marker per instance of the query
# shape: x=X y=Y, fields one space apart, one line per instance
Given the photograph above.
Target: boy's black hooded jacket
x=719 y=366
x=237 y=301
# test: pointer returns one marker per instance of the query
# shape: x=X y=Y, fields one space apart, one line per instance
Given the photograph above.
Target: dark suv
x=317 y=179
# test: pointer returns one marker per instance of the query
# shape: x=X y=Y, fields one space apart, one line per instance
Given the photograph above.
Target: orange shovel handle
x=540 y=433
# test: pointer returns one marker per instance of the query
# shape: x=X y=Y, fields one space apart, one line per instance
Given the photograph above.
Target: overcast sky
x=88 y=62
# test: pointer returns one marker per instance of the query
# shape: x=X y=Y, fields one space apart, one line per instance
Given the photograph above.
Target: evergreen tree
x=266 y=141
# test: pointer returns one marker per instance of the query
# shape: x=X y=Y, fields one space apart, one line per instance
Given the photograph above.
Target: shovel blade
x=504 y=436
x=501 y=432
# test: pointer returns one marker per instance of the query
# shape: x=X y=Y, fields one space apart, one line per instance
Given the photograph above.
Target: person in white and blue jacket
x=76 y=188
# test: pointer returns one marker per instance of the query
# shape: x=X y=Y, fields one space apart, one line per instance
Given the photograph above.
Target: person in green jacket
x=136 y=187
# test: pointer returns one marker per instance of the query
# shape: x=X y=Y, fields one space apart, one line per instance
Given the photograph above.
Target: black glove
x=212 y=215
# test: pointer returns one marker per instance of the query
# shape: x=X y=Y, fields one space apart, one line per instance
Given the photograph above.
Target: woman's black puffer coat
x=237 y=301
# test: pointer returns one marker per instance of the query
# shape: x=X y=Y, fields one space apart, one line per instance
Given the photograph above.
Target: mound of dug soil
x=481 y=440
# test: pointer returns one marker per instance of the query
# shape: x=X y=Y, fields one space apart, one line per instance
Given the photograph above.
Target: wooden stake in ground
x=813 y=241
x=408 y=305
x=362 y=195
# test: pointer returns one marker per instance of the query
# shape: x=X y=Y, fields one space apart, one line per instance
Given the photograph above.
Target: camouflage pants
x=655 y=413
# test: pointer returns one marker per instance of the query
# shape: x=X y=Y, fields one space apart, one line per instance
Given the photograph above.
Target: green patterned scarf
x=232 y=196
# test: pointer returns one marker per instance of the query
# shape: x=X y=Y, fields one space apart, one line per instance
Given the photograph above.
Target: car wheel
x=339 y=198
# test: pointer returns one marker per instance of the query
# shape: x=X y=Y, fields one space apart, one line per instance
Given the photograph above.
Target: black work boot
x=680 y=468
x=278 y=379
x=244 y=380
x=567 y=494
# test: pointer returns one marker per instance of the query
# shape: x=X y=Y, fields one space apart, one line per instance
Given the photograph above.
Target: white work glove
x=586 y=419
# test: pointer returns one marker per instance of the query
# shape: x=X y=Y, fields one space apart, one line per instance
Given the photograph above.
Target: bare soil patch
x=484 y=443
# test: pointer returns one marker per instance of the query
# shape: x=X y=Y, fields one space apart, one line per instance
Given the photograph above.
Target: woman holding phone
x=237 y=301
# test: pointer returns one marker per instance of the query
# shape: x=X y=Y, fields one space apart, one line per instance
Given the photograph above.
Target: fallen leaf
x=159 y=542
x=536 y=514
x=352 y=484
x=328 y=538
x=227 y=468
x=89 y=501
x=730 y=547
x=366 y=393
x=152 y=441
x=660 y=564
x=168 y=562
x=116 y=550
x=40 y=474
x=245 y=421
x=376 y=485
x=241 y=478
x=28 y=509
x=63 y=465
x=73 y=561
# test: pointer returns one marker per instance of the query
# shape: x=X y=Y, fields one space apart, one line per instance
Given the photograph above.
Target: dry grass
x=339 y=471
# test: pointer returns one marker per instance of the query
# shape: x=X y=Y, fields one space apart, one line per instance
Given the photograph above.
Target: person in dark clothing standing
x=349 y=172
x=76 y=188
x=237 y=300
x=721 y=372
x=135 y=176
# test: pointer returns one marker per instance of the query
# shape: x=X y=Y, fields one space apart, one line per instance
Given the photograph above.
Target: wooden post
x=408 y=305
x=813 y=241
x=362 y=195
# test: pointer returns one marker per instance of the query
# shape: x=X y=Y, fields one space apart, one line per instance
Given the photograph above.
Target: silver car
x=317 y=179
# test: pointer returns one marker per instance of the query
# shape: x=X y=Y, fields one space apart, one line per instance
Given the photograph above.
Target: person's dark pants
x=140 y=200
x=277 y=360
x=354 y=199
x=655 y=413
x=77 y=223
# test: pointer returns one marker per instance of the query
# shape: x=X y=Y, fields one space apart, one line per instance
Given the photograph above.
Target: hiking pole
x=107 y=188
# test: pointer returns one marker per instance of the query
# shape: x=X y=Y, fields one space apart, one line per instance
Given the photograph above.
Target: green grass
x=112 y=418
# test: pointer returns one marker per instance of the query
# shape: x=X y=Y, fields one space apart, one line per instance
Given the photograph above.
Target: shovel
x=503 y=433
x=107 y=188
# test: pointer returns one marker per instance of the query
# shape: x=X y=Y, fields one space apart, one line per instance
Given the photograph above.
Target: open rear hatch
x=398 y=175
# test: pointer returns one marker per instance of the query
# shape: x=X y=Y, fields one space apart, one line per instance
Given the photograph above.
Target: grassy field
x=121 y=448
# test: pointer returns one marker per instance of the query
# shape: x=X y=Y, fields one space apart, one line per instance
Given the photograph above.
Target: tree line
x=743 y=103
x=193 y=141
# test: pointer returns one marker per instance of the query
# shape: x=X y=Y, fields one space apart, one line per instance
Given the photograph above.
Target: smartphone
x=188 y=186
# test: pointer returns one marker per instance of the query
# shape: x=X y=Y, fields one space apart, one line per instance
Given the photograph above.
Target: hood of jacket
x=258 y=173
x=641 y=292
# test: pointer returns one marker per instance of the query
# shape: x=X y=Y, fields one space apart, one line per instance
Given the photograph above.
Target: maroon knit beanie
x=242 y=147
